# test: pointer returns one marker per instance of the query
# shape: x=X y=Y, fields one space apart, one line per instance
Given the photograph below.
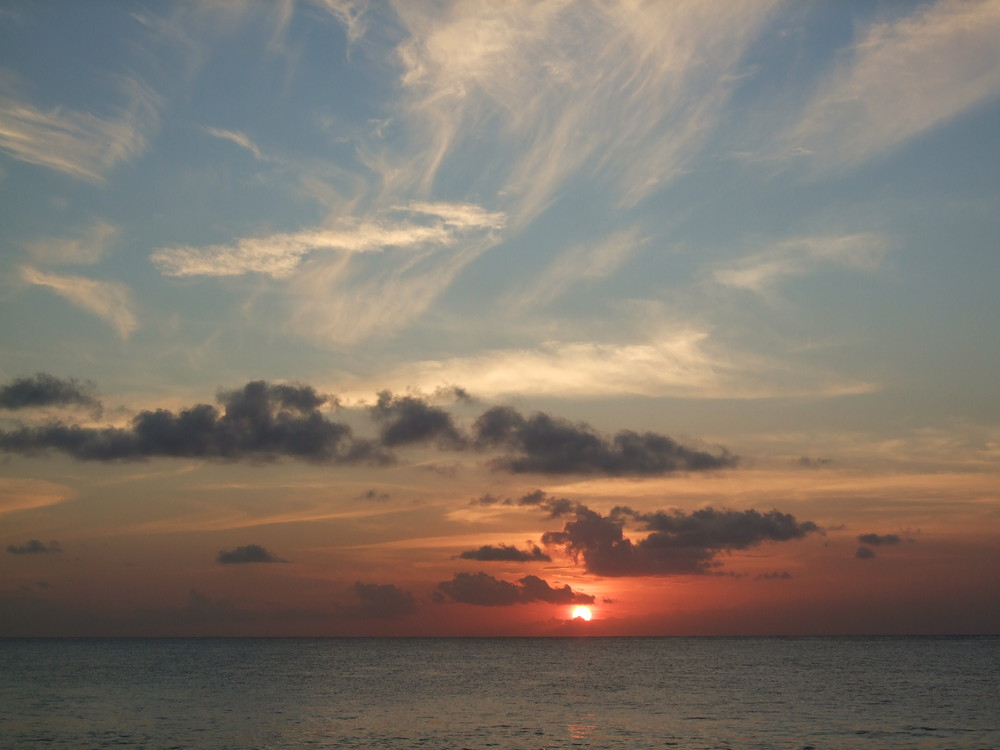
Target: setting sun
x=582 y=613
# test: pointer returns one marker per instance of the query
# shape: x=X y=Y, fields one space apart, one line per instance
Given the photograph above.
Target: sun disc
x=582 y=613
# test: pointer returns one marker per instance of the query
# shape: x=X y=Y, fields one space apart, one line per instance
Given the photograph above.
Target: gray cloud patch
x=485 y=590
x=251 y=553
x=259 y=422
x=875 y=540
x=384 y=601
x=550 y=445
x=864 y=553
x=34 y=547
x=47 y=390
x=679 y=543
x=506 y=553
x=556 y=506
x=406 y=420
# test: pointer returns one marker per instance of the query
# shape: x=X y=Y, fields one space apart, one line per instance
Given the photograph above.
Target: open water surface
x=688 y=693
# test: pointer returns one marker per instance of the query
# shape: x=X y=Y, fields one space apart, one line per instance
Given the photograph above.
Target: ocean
x=692 y=693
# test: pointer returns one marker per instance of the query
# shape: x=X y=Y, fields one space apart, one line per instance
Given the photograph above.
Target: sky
x=336 y=317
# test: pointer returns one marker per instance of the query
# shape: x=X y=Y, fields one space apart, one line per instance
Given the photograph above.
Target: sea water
x=822 y=693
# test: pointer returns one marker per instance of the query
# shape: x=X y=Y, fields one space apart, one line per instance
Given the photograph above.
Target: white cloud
x=683 y=365
x=240 y=139
x=279 y=255
x=799 y=256
x=902 y=79
x=625 y=91
x=94 y=243
x=109 y=300
x=75 y=142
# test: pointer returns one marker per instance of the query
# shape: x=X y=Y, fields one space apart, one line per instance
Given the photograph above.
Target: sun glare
x=582 y=613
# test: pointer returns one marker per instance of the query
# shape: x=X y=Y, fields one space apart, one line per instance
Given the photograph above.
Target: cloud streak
x=902 y=79
x=279 y=255
x=77 y=143
x=91 y=247
x=799 y=256
x=240 y=139
x=111 y=301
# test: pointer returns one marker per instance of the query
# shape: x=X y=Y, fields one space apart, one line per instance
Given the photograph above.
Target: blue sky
x=767 y=226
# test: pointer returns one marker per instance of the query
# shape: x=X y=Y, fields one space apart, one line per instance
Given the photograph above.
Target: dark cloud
x=259 y=422
x=47 y=390
x=507 y=553
x=875 y=540
x=251 y=553
x=264 y=421
x=865 y=553
x=782 y=575
x=556 y=506
x=384 y=601
x=679 y=543
x=457 y=393
x=374 y=495
x=814 y=463
x=34 y=547
x=485 y=590
x=406 y=420
x=550 y=445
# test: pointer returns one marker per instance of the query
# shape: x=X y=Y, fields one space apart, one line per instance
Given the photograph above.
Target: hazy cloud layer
x=251 y=553
x=43 y=389
x=506 y=553
x=550 y=445
x=678 y=543
x=34 y=547
x=485 y=590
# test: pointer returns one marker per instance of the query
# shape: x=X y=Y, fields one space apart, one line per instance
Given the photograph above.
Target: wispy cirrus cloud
x=580 y=263
x=686 y=364
x=626 y=92
x=91 y=245
x=902 y=79
x=111 y=301
x=240 y=139
x=75 y=142
x=799 y=256
x=279 y=255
